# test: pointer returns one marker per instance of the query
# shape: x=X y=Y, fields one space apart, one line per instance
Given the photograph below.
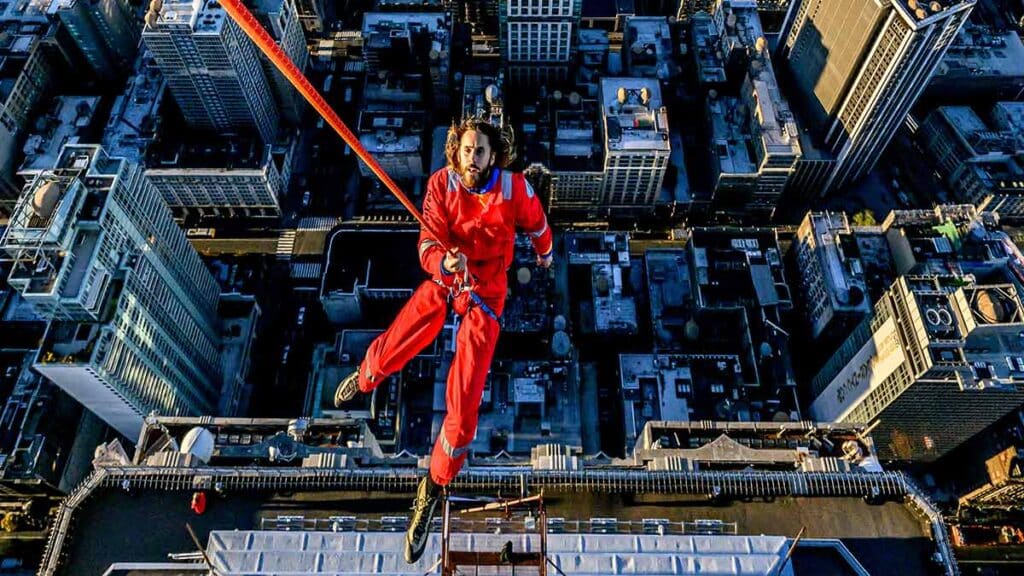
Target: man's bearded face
x=475 y=158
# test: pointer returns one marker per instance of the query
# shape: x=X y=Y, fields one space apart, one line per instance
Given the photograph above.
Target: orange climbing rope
x=252 y=28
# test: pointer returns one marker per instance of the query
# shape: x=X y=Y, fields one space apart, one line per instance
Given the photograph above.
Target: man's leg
x=474 y=348
x=416 y=326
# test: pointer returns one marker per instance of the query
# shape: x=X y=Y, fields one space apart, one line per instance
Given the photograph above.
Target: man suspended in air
x=473 y=207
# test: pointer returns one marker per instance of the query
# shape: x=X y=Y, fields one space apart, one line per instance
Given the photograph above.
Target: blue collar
x=486 y=187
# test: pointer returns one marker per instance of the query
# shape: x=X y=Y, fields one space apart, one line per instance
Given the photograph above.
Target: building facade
x=636 y=146
x=537 y=38
x=281 y=19
x=105 y=31
x=831 y=276
x=937 y=363
x=132 y=310
x=983 y=162
x=859 y=66
x=212 y=68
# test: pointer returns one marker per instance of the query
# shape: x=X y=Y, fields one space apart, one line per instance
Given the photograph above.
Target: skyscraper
x=537 y=38
x=635 y=129
x=858 y=67
x=104 y=30
x=281 y=19
x=132 y=309
x=212 y=68
x=936 y=364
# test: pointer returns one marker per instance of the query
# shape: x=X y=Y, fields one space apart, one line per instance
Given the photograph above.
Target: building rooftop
x=69 y=119
x=1009 y=116
x=482 y=97
x=526 y=404
x=614 y=310
x=981 y=51
x=394 y=252
x=392 y=131
x=739 y=265
x=704 y=41
x=633 y=116
x=182 y=151
x=32 y=11
x=758 y=123
x=202 y=16
x=135 y=116
x=1001 y=135
x=966 y=333
x=949 y=239
x=288 y=510
x=838 y=257
x=576 y=136
x=649 y=42
x=378 y=21
x=528 y=307
x=671 y=296
x=921 y=13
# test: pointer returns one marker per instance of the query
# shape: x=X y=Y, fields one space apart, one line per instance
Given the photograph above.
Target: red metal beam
x=252 y=28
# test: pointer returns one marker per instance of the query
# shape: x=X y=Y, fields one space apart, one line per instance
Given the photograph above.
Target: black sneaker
x=427 y=496
x=347 y=389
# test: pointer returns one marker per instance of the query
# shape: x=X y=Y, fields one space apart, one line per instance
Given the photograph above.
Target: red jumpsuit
x=481 y=224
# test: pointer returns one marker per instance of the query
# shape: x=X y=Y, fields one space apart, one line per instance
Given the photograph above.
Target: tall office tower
x=537 y=38
x=634 y=126
x=132 y=309
x=859 y=66
x=212 y=68
x=281 y=19
x=937 y=363
x=753 y=132
x=104 y=30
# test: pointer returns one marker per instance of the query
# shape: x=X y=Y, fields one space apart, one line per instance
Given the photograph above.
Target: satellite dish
x=574 y=98
x=557 y=95
x=523 y=275
x=198 y=442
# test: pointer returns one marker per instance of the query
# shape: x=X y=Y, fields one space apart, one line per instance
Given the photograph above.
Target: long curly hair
x=501 y=141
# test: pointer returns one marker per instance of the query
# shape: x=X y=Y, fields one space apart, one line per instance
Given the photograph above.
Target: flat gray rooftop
x=144 y=525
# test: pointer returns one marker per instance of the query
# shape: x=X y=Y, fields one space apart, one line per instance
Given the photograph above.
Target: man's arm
x=432 y=254
x=531 y=218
